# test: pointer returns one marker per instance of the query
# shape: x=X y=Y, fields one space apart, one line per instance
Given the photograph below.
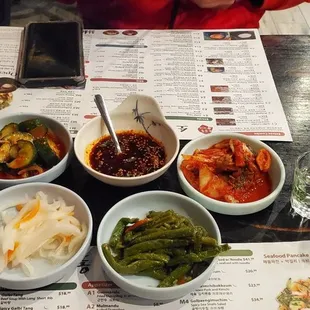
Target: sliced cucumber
x=16 y=136
x=39 y=131
x=8 y=129
x=14 y=151
x=26 y=155
x=29 y=124
x=5 y=151
x=54 y=146
x=47 y=151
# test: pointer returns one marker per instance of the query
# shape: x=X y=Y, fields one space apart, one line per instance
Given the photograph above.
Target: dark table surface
x=289 y=60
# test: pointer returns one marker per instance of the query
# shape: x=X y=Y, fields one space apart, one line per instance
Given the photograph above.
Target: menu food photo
x=159 y=248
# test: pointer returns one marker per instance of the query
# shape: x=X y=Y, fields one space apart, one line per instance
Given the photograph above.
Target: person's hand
x=214 y=4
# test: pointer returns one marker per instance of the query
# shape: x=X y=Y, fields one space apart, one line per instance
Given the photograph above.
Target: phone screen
x=52 y=50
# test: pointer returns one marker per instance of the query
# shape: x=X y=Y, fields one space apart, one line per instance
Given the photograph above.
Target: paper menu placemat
x=251 y=276
x=204 y=81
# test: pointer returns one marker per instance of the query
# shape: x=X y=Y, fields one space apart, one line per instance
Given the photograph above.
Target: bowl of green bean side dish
x=159 y=245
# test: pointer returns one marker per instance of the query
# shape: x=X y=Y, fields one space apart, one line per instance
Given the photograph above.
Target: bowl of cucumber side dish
x=33 y=148
x=159 y=245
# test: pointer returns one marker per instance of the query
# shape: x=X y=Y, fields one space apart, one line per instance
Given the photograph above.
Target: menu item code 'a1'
x=273 y=276
x=204 y=81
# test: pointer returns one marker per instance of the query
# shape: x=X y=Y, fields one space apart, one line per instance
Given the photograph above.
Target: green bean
x=142 y=256
x=175 y=275
x=186 y=221
x=178 y=252
x=128 y=236
x=177 y=223
x=153 y=213
x=164 y=251
x=158 y=274
x=208 y=241
x=166 y=234
x=154 y=245
x=115 y=240
x=156 y=214
x=133 y=268
x=202 y=231
x=224 y=247
x=146 y=231
x=191 y=258
x=197 y=240
x=161 y=214
x=162 y=221
x=198 y=257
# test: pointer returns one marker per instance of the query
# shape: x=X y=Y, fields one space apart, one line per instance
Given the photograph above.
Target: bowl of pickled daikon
x=45 y=232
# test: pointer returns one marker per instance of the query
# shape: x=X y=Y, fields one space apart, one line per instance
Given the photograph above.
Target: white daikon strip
x=7 y=217
x=40 y=229
x=8 y=240
x=27 y=268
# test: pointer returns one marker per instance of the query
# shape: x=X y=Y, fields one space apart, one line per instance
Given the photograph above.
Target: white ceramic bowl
x=138 y=205
x=276 y=172
x=124 y=117
x=60 y=130
x=45 y=273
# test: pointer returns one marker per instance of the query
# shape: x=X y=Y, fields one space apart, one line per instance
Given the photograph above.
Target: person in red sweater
x=176 y=14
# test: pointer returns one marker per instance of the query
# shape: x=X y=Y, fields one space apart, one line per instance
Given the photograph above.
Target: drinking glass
x=300 y=198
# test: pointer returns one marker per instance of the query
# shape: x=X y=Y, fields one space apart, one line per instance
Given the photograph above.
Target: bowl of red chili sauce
x=149 y=144
x=230 y=173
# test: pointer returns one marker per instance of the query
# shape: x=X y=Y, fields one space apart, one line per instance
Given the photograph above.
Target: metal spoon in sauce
x=106 y=118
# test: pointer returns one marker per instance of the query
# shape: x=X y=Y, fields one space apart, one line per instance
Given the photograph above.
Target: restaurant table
x=289 y=60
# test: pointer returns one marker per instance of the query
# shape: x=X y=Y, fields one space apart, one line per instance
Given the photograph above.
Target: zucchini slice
x=14 y=151
x=39 y=131
x=26 y=155
x=5 y=151
x=8 y=129
x=29 y=124
x=16 y=136
x=47 y=152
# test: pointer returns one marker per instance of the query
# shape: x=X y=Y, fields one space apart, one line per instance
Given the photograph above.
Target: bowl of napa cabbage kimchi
x=230 y=173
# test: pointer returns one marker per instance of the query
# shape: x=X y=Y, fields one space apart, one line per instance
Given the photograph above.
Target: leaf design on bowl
x=140 y=118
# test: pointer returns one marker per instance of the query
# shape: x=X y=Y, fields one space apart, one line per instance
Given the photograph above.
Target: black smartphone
x=51 y=55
